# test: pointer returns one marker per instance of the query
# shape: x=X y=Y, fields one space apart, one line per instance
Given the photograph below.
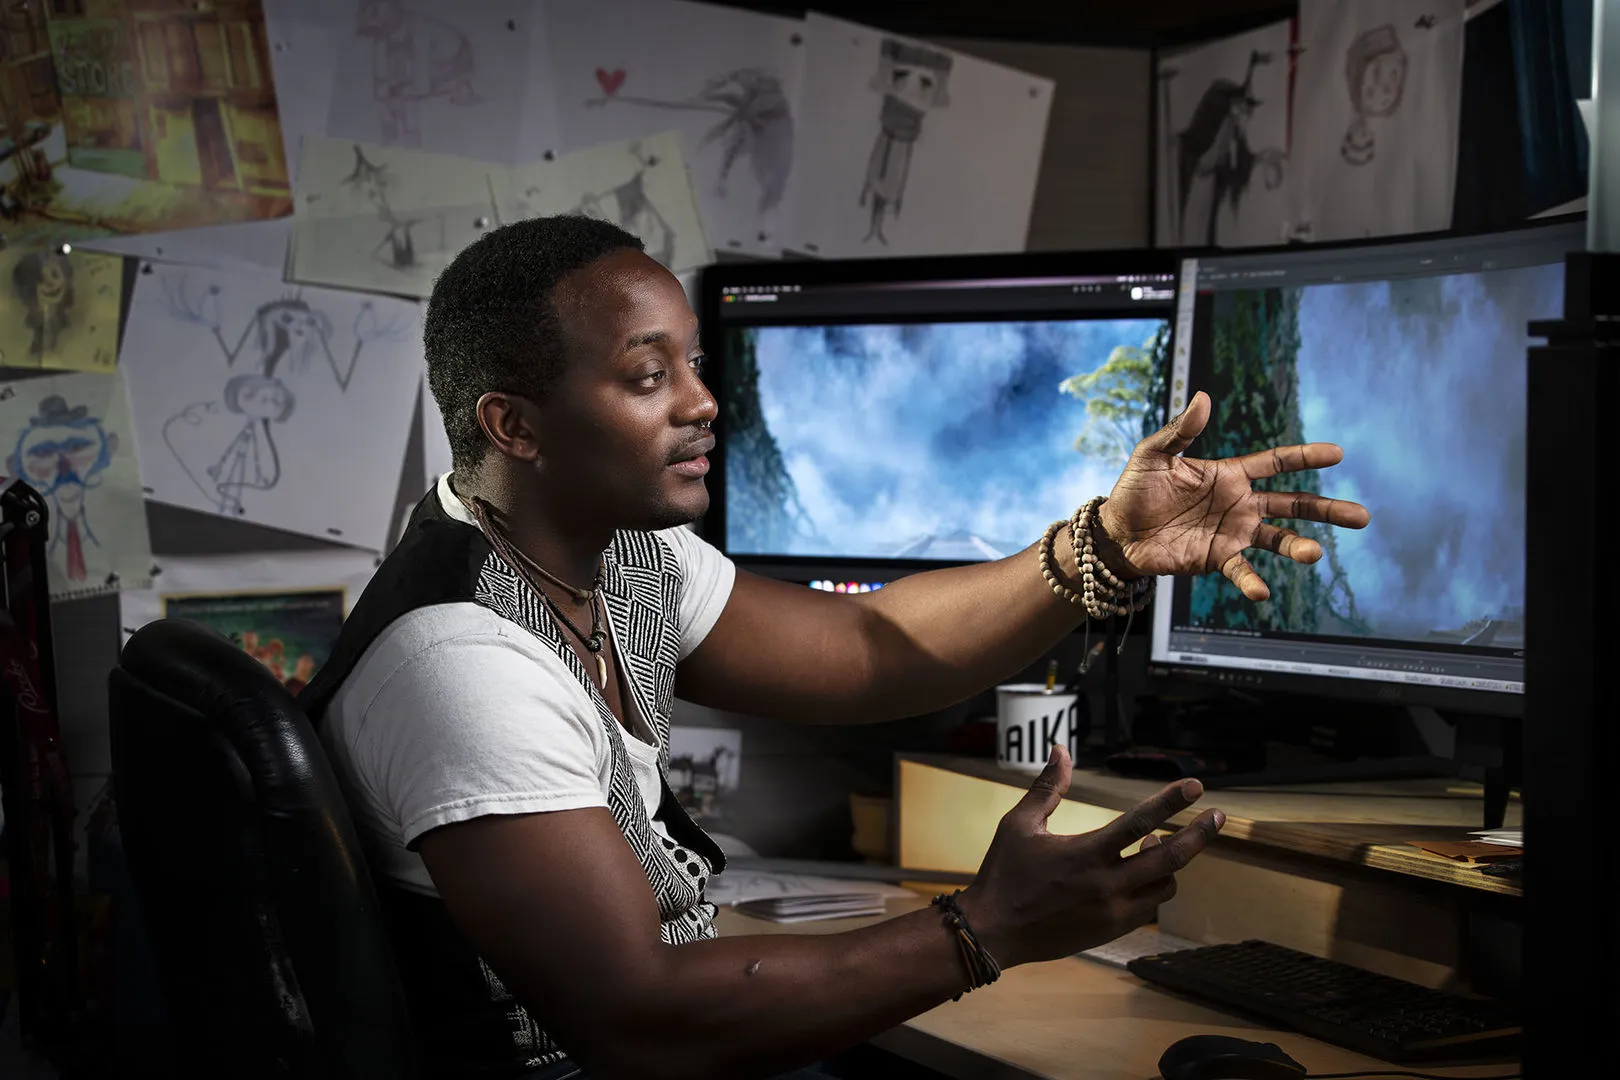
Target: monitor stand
x=1478 y=748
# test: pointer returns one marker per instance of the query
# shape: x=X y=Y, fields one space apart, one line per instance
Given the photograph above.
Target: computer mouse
x=1222 y=1057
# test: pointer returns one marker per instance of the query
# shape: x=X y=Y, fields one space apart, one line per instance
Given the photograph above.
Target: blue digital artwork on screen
x=941 y=441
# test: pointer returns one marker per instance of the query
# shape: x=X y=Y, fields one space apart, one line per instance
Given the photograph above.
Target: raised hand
x=1175 y=515
x=1039 y=895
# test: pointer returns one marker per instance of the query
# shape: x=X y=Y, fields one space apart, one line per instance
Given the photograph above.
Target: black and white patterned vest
x=467 y=1022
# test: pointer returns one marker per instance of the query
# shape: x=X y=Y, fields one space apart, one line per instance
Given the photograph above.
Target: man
x=498 y=704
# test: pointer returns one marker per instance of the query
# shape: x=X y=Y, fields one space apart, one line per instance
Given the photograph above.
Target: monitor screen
x=889 y=413
x=1411 y=357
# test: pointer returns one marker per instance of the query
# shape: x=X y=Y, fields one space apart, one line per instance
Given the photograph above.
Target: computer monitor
x=1411 y=356
x=883 y=416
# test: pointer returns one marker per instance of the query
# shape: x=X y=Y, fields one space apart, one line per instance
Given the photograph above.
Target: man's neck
x=528 y=520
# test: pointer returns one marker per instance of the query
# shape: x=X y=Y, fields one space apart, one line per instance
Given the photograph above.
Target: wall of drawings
x=219 y=225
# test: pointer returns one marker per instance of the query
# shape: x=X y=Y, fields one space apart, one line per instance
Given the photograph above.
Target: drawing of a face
x=1375 y=69
x=62 y=452
x=912 y=76
x=379 y=18
x=259 y=397
x=290 y=330
x=54 y=278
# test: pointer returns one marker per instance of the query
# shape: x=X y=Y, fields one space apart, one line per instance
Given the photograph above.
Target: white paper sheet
x=641 y=185
x=284 y=608
x=247 y=245
x=435 y=444
x=68 y=437
x=283 y=407
x=727 y=79
x=740 y=886
x=1223 y=142
x=905 y=148
x=450 y=78
x=1377 y=98
x=383 y=219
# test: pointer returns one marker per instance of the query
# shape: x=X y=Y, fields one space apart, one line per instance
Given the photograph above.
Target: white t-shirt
x=454 y=712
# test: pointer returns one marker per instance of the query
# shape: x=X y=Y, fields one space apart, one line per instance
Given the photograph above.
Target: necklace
x=521 y=562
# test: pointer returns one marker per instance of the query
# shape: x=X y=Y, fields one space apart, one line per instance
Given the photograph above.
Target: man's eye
x=698 y=362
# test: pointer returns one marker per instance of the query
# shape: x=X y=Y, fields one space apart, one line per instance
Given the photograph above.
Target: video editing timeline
x=1403 y=354
x=939 y=420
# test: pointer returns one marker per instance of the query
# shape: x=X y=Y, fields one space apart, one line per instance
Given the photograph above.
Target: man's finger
x=1146 y=867
x=1287 y=543
x=1281 y=459
x=1182 y=429
x=1045 y=793
x=1251 y=584
x=1305 y=506
x=1139 y=823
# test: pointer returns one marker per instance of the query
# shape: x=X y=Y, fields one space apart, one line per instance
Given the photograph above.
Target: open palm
x=1174 y=515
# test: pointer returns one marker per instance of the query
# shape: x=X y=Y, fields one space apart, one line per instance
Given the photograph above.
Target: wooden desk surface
x=1363 y=823
x=1070 y=1019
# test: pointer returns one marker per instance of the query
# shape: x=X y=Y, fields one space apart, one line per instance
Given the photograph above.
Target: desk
x=1070 y=1019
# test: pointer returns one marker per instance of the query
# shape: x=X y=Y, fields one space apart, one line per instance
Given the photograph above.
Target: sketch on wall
x=67 y=437
x=246 y=396
x=1223 y=118
x=60 y=309
x=641 y=185
x=449 y=78
x=727 y=79
x=949 y=147
x=1377 y=101
x=386 y=220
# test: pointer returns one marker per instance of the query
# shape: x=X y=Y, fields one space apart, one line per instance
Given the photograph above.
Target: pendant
x=601 y=670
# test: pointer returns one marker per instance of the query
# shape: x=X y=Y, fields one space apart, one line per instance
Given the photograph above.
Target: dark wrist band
x=981 y=966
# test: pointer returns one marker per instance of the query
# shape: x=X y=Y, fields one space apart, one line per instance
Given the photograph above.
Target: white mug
x=1030 y=721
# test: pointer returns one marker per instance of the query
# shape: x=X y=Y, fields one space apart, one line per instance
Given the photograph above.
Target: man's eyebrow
x=652 y=337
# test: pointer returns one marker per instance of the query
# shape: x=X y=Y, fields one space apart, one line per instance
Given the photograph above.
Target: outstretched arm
x=932 y=639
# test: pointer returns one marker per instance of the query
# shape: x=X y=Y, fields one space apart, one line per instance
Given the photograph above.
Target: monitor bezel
x=1400 y=694
x=714 y=278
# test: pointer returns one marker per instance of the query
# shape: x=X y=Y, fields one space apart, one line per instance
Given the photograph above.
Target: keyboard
x=1376 y=1015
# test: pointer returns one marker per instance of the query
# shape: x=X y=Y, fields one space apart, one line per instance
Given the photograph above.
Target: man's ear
x=509 y=423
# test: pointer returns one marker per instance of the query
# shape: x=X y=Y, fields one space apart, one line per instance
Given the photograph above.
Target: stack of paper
x=783 y=897
x=1505 y=837
x=795 y=909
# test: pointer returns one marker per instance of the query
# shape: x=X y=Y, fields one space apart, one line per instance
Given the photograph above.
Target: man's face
x=619 y=432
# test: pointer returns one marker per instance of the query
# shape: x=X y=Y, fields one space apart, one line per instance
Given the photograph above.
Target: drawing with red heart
x=610 y=81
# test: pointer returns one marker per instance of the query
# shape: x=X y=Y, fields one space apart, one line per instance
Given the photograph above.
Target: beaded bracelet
x=981 y=966
x=1102 y=592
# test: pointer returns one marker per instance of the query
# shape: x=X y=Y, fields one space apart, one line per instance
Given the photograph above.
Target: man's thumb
x=1048 y=788
x=1182 y=429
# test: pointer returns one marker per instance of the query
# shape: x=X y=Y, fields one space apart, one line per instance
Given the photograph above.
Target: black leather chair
x=271 y=950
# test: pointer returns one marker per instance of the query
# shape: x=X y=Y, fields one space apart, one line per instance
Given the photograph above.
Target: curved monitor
x=1411 y=356
x=889 y=415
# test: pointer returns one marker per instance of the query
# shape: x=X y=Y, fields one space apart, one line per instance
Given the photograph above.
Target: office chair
x=270 y=946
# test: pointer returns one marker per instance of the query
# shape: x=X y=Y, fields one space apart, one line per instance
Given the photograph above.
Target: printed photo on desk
x=262 y=402
x=138 y=119
x=284 y=608
x=1223 y=141
x=60 y=310
x=385 y=219
x=68 y=437
x=641 y=185
x=907 y=148
x=704 y=769
x=727 y=79
x=1377 y=98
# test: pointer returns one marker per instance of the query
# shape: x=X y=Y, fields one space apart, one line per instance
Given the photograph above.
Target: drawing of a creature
x=373 y=182
x=1375 y=75
x=1214 y=162
x=43 y=281
x=628 y=207
x=913 y=81
x=758 y=124
x=62 y=453
x=285 y=336
x=414 y=58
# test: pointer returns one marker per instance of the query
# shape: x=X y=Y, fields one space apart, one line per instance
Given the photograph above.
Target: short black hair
x=491 y=324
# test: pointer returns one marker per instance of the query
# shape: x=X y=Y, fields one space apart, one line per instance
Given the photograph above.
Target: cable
x=1397 y=1072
